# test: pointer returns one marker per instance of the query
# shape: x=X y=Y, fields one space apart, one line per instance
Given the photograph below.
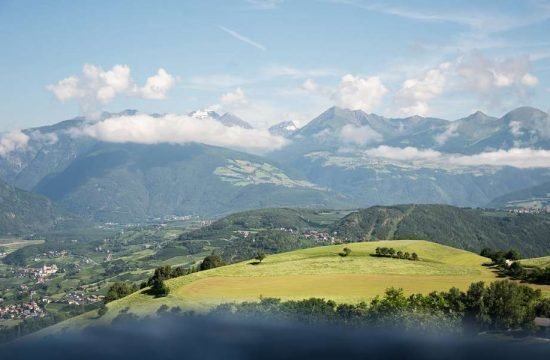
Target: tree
x=260 y=257
x=414 y=256
x=345 y=252
x=211 y=262
x=516 y=270
x=400 y=254
x=512 y=254
x=391 y=252
x=510 y=305
x=378 y=251
x=102 y=311
x=407 y=256
x=159 y=288
x=119 y=290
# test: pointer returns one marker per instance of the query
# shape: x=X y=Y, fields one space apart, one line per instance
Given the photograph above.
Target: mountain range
x=333 y=161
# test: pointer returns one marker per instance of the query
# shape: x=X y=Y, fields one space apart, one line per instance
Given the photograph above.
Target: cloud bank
x=523 y=158
x=180 y=129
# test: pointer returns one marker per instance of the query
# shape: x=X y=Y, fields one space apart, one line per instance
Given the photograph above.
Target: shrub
x=345 y=252
x=211 y=262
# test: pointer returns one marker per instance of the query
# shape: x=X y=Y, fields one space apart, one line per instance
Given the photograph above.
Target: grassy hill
x=469 y=229
x=315 y=272
x=540 y=262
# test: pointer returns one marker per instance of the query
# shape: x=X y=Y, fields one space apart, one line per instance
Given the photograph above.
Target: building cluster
x=541 y=210
x=52 y=254
x=320 y=236
x=80 y=298
x=21 y=311
x=39 y=273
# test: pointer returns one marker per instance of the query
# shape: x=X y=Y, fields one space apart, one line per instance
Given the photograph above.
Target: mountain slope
x=129 y=182
x=535 y=197
x=22 y=212
x=469 y=229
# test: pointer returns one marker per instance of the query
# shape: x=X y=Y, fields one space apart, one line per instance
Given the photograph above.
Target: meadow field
x=321 y=272
x=541 y=262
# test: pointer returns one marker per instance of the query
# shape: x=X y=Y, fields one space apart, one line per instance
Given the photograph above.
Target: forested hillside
x=469 y=229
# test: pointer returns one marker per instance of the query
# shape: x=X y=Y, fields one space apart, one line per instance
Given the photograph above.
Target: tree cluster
x=499 y=257
x=502 y=305
x=392 y=253
x=508 y=265
x=119 y=290
x=211 y=262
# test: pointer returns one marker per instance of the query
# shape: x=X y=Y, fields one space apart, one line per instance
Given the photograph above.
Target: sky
x=269 y=61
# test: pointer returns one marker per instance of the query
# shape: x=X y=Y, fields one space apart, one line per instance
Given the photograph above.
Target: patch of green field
x=243 y=173
x=12 y=244
x=541 y=262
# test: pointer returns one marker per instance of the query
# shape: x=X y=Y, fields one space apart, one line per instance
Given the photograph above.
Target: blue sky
x=269 y=61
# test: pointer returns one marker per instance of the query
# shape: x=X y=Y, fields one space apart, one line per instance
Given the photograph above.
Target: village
x=21 y=311
x=531 y=210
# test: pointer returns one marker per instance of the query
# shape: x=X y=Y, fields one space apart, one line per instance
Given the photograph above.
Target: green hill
x=541 y=262
x=315 y=272
x=22 y=212
x=469 y=229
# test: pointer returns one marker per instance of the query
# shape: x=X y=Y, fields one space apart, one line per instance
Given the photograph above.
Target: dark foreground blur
x=219 y=338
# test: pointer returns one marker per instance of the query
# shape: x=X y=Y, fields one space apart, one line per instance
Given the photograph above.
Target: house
x=48 y=270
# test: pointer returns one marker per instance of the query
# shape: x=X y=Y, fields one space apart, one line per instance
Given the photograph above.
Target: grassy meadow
x=314 y=272
x=541 y=262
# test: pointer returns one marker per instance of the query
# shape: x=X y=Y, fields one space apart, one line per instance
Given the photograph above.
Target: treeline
x=507 y=263
x=392 y=253
x=502 y=305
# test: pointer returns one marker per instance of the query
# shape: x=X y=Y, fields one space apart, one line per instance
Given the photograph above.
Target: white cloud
x=13 y=141
x=158 y=85
x=517 y=157
x=414 y=96
x=523 y=158
x=495 y=83
x=450 y=132
x=405 y=154
x=98 y=87
x=67 y=89
x=105 y=85
x=495 y=79
x=359 y=135
x=180 y=129
x=356 y=92
x=234 y=97
x=515 y=128
x=44 y=138
x=310 y=86
x=529 y=80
